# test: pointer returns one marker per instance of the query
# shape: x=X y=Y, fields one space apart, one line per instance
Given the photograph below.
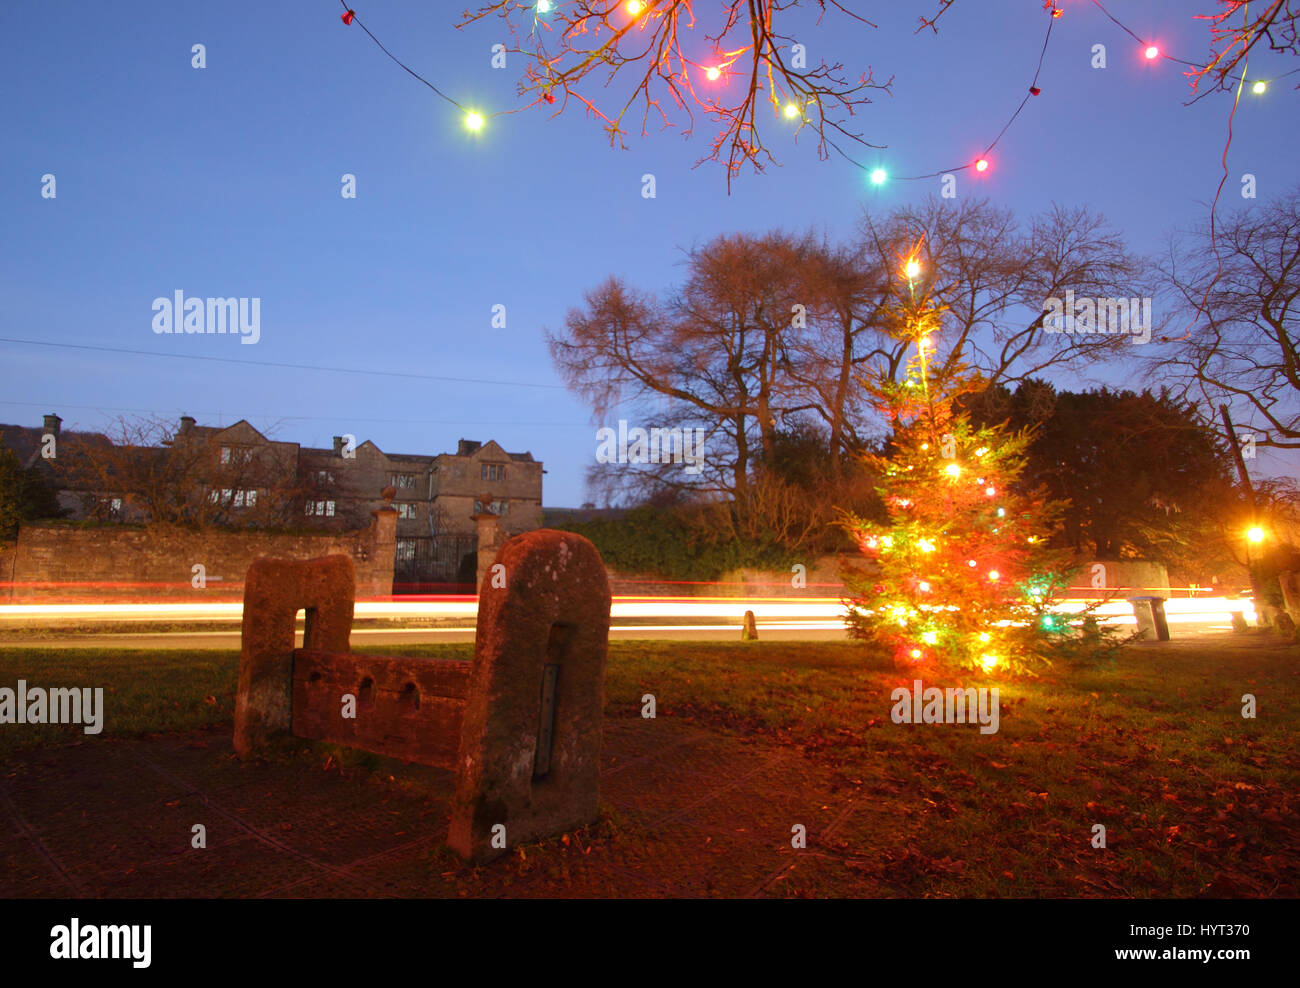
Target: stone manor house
x=236 y=477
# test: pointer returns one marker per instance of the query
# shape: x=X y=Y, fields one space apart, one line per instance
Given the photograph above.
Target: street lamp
x=1254 y=536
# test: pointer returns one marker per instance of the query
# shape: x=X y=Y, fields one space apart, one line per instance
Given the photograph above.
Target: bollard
x=1150 y=613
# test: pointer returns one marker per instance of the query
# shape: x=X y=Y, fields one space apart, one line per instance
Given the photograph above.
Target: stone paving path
x=688 y=811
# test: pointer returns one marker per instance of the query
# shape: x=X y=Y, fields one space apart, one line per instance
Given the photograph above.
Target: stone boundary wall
x=823 y=579
x=53 y=563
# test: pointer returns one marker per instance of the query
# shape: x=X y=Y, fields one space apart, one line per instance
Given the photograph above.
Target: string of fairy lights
x=475 y=119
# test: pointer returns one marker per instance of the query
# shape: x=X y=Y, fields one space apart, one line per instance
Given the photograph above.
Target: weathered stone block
x=274 y=591
x=407 y=708
x=530 y=744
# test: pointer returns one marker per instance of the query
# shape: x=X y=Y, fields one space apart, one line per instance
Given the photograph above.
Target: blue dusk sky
x=225 y=181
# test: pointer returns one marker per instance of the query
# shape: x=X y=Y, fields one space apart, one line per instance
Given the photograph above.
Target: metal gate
x=441 y=564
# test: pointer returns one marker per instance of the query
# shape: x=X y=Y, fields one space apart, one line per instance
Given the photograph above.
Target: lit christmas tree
x=964 y=574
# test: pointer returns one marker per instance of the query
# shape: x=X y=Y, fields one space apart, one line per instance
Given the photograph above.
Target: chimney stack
x=52 y=423
x=338 y=445
x=187 y=423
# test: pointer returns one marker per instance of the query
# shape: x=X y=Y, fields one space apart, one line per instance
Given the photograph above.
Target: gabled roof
x=25 y=441
x=490 y=450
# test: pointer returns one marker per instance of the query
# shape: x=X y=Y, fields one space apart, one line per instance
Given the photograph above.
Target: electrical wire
x=269 y=416
x=357 y=21
x=277 y=363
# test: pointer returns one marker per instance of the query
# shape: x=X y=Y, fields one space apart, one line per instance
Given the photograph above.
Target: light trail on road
x=696 y=613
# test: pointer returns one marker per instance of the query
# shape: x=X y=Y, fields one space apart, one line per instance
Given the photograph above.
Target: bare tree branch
x=580 y=46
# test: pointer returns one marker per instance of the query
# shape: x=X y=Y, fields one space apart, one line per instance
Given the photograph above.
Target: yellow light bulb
x=791 y=111
x=634 y=7
x=989 y=661
x=713 y=73
x=474 y=121
x=952 y=470
x=984 y=637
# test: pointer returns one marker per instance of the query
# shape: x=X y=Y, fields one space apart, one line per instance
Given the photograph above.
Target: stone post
x=274 y=591
x=529 y=759
x=1290 y=584
x=489 y=541
x=375 y=578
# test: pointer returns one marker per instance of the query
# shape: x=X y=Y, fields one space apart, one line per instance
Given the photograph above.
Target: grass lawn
x=1195 y=798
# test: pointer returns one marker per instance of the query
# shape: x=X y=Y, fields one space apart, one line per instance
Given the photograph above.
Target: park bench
x=519 y=725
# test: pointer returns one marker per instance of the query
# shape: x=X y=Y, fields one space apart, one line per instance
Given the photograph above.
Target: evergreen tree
x=963 y=571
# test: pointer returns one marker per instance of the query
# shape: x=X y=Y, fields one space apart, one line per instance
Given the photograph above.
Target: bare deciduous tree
x=990 y=280
x=149 y=472
x=1243 y=309
x=772 y=333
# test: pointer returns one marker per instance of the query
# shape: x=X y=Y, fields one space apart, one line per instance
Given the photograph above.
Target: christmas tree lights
x=962 y=573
